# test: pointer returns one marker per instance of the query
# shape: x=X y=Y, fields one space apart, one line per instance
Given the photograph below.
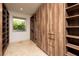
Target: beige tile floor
x=24 y=48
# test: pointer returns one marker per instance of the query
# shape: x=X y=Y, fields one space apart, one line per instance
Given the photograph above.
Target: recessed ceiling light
x=21 y=9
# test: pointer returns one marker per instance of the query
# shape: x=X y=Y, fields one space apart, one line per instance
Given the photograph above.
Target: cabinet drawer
x=51 y=36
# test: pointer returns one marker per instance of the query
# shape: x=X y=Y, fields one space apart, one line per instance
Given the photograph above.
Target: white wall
x=19 y=36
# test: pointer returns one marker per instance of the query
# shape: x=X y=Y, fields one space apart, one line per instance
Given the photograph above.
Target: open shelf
x=73 y=51
x=72 y=46
x=72 y=29
x=72 y=26
x=74 y=16
x=73 y=21
x=73 y=6
x=71 y=36
x=73 y=10
x=5 y=28
x=69 y=54
x=72 y=41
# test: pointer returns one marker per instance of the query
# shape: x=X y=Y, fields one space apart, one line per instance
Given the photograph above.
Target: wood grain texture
x=61 y=29
x=49 y=37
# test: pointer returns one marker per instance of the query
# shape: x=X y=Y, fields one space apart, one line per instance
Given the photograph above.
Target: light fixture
x=21 y=9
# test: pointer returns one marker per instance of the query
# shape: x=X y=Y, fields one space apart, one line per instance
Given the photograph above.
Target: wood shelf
x=71 y=36
x=73 y=6
x=69 y=54
x=74 y=16
x=72 y=46
x=72 y=26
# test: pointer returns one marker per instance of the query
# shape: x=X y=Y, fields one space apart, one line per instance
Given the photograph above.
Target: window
x=19 y=24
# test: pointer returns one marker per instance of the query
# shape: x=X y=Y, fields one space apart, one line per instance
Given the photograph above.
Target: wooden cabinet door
x=50 y=29
x=53 y=21
x=56 y=27
x=44 y=26
x=62 y=40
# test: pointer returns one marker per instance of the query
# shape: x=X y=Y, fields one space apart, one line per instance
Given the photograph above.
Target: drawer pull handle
x=51 y=38
x=51 y=34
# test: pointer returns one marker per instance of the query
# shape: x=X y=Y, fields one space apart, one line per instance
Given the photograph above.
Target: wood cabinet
x=61 y=35
x=51 y=8
x=48 y=19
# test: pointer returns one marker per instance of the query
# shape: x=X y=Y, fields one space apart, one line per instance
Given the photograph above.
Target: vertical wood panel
x=49 y=36
x=0 y=29
x=56 y=28
x=61 y=29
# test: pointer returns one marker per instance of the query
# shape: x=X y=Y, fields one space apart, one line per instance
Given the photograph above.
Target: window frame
x=21 y=19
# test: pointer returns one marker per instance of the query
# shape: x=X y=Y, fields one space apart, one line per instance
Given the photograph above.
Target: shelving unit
x=5 y=25
x=72 y=29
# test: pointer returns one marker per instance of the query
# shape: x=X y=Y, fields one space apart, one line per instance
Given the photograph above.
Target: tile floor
x=24 y=48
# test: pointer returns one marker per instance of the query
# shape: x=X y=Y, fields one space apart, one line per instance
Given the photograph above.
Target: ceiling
x=26 y=8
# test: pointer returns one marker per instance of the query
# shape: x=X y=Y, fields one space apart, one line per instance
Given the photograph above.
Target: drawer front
x=51 y=36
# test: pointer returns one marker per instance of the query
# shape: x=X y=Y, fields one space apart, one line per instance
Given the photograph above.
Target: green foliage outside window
x=18 y=24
